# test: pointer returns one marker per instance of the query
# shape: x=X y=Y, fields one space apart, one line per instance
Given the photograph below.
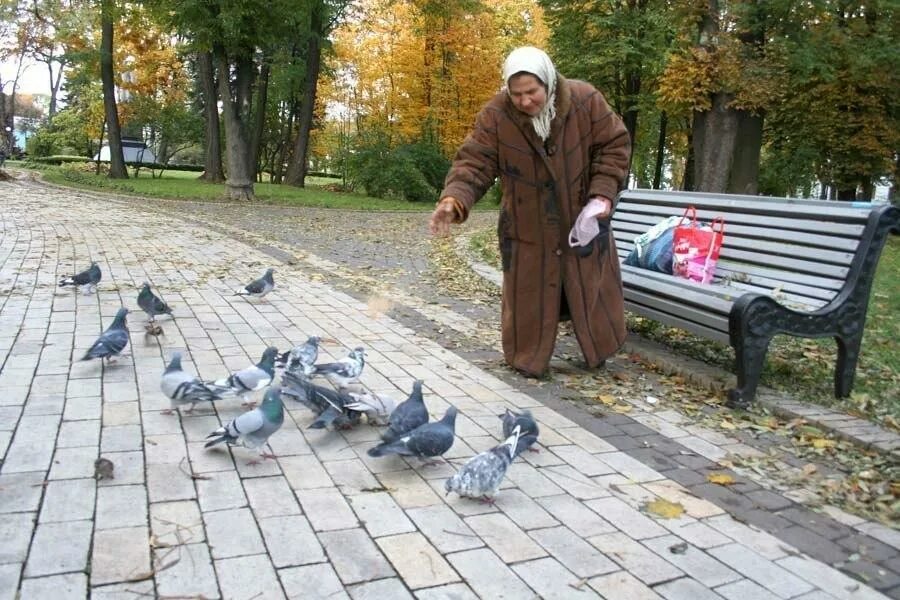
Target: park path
x=324 y=520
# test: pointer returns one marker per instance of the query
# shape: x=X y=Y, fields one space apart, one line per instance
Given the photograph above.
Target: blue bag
x=653 y=249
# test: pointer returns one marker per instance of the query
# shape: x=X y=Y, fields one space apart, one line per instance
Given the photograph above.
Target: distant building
x=134 y=149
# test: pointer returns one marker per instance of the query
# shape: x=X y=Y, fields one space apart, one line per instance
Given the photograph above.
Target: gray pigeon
x=302 y=358
x=182 y=388
x=528 y=428
x=482 y=474
x=90 y=278
x=408 y=415
x=377 y=407
x=329 y=406
x=426 y=441
x=345 y=371
x=253 y=428
x=112 y=341
x=252 y=378
x=151 y=304
x=259 y=287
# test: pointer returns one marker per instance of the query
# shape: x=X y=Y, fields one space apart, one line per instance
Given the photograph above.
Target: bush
x=414 y=171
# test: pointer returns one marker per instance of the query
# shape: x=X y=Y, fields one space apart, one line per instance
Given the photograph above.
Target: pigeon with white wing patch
x=183 y=388
x=259 y=287
x=89 y=278
x=481 y=476
x=253 y=378
x=345 y=371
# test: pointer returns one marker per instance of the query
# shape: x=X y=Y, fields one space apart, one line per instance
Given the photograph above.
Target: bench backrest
x=798 y=251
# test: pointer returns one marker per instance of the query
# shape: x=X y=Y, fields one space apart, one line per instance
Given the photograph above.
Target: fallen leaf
x=665 y=509
x=721 y=478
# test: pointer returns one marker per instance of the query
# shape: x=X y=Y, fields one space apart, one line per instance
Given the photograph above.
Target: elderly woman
x=562 y=155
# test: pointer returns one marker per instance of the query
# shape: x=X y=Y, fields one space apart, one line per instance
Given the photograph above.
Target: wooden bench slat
x=822 y=210
x=712 y=297
x=629 y=230
x=674 y=321
x=796 y=301
x=675 y=307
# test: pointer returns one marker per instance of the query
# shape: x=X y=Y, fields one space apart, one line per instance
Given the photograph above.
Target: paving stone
x=119 y=555
x=487 y=575
x=454 y=591
x=305 y=472
x=20 y=492
x=504 y=537
x=523 y=510
x=626 y=518
x=576 y=484
x=762 y=543
x=73 y=463
x=351 y=476
x=326 y=509
x=290 y=541
x=686 y=589
x=15 y=531
x=221 y=490
x=313 y=582
x=121 y=506
x=191 y=572
x=9 y=580
x=121 y=438
x=764 y=572
x=695 y=532
x=78 y=433
x=32 y=446
x=71 y=586
x=248 y=577
x=271 y=497
x=167 y=482
x=124 y=591
x=552 y=581
x=570 y=549
x=622 y=584
x=531 y=481
x=693 y=561
x=745 y=590
x=128 y=468
x=383 y=588
x=354 y=556
x=69 y=500
x=409 y=489
x=177 y=522
x=379 y=514
x=59 y=548
x=576 y=515
x=444 y=528
x=121 y=413
x=635 y=558
x=233 y=533
x=83 y=408
x=417 y=561
x=821 y=576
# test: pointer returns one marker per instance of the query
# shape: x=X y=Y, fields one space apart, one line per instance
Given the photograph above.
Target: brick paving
x=325 y=520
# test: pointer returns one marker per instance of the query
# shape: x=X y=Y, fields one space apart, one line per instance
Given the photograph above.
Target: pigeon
x=90 y=278
x=330 y=407
x=302 y=358
x=482 y=474
x=253 y=428
x=182 y=388
x=151 y=304
x=259 y=287
x=252 y=378
x=377 y=407
x=112 y=341
x=527 y=426
x=426 y=441
x=345 y=371
x=408 y=415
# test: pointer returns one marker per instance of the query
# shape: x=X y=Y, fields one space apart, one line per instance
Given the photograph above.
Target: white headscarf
x=535 y=61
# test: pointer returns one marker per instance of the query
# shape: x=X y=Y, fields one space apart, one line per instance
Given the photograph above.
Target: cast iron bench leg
x=848 y=355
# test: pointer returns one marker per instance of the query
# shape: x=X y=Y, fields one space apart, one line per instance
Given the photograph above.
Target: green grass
x=184 y=185
x=803 y=367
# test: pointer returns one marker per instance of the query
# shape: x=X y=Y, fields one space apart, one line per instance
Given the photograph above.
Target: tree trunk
x=239 y=183
x=260 y=117
x=715 y=134
x=687 y=179
x=285 y=141
x=744 y=177
x=846 y=194
x=117 y=168
x=660 y=150
x=296 y=172
x=212 y=162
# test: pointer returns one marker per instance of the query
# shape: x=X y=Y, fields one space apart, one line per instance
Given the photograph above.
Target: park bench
x=787 y=266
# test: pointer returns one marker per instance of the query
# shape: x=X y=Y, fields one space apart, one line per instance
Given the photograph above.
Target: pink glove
x=586 y=226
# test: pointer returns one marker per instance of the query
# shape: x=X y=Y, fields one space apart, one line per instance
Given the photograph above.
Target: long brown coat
x=545 y=185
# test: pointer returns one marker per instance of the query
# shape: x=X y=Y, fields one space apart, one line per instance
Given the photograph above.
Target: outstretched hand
x=443 y=216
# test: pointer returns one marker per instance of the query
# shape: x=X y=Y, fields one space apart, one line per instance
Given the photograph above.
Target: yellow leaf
x=720 y=478
x=606 y=399
x=823 y=443
x=622 y=408
x=665 y=509
x=727 y=425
